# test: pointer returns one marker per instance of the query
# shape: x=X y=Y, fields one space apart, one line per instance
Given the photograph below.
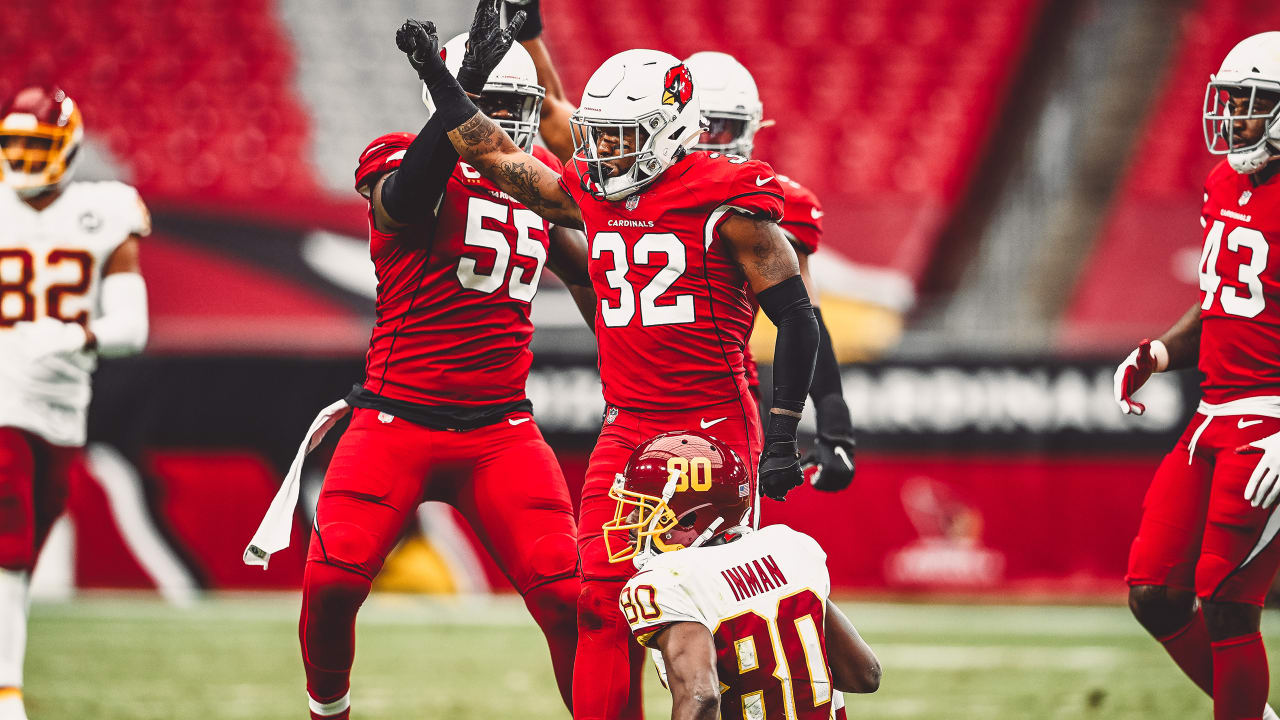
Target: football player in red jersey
x=442 y=413
x=1205 y=553
x=733 y=113
x=677 y=239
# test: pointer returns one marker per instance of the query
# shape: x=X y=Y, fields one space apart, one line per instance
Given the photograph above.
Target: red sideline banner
x=986 y=524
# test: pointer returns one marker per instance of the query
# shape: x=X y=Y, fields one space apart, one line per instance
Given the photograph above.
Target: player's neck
x=1266 y=174
x=43 y=200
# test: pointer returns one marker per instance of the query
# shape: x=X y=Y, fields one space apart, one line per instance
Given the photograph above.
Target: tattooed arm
x=487 y=148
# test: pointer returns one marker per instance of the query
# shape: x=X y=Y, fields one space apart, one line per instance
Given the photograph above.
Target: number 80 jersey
x=764 y=598
x=1240 y=287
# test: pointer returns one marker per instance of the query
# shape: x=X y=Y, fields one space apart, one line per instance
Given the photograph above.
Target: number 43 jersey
x=763 y=597
x=51 y=264
x=1240 y=287
x=454 y=297
x=674 y=313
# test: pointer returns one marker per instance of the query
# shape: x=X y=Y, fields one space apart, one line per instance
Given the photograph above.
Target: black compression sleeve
x=826 y=390
x=452 y=103
x=787 y=305
x=411 y=193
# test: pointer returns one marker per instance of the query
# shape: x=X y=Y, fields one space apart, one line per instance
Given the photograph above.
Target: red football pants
x=1198 y=533
x=606 y=682
x=34 y=476
x=503 y=478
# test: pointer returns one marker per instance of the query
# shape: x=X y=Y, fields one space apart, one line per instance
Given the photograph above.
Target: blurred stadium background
x=1011 y=191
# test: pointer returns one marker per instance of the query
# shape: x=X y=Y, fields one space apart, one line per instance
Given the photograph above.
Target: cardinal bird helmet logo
x=677 y=87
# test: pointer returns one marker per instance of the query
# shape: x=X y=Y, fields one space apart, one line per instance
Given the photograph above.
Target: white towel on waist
x=277 y=525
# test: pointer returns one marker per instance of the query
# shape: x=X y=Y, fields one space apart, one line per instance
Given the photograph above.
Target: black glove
x=833 y=457
x=533 y=25
x=779 y=468
x=487 y=43
x=418 y=40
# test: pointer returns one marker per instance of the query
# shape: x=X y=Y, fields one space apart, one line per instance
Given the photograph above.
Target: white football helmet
x=512 y=86
x=1251 y=71
x=730 y=103
x=642 y=103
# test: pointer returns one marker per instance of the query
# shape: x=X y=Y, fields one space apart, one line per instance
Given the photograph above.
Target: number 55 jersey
x=1240 y=287
x=51 y=264
x=763 y=597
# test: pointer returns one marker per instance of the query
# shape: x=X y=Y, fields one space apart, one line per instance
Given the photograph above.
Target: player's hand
x=1131 y=375
x=780 y=468
x=418 y=40
x=487 y=43
x=1263 y=487
x=832 y=460
x=48 y=337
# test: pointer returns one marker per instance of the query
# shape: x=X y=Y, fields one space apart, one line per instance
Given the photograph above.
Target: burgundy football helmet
x=40 y=135
x=679 y=490
x=381 y=156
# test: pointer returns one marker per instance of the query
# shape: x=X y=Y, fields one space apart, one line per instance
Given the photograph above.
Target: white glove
x=1263 y=488
x=1150 y=356
x=47 y=337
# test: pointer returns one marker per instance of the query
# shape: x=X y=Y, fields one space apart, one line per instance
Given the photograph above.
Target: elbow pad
x=122 y=329
x=796 y=349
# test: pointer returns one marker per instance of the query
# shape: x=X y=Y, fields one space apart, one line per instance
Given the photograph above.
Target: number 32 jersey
x=764 y=598
x=1240 y=287
x=674 y=312
x=51 y=264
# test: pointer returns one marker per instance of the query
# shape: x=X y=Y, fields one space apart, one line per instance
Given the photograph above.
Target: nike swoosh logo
x=706 y=424
x=1246 y=423
x=845 y=457
x=517 y=421
x=761 y=181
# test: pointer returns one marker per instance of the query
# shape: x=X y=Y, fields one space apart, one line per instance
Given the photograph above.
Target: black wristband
x=787 y=305
x=452 y=103
x=532 y=21
x=781 y=427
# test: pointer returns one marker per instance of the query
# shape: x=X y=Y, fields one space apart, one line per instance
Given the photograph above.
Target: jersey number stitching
x=523 y=285
x=1250 y=275
x=53 y=295
x=676 y=312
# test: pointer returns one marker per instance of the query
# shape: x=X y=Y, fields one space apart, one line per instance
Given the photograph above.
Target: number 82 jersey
x=1239 y=287
x=763 y=597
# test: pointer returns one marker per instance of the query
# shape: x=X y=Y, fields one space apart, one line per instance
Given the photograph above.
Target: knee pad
x=598 y=605
x=347 y=545
x=553 y=557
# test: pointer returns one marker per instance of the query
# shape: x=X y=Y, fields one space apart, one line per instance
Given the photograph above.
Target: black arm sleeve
x=787 y=305
x=826 y=390
x=411 y=193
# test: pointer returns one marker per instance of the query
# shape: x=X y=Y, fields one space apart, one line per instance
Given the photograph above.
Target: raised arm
x=689 y=652
x=478 y=140
x=556 y=106
x=854 y=667
x=567 y=258
x=771 y=268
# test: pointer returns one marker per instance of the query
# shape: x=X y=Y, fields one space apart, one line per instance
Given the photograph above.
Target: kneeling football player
x=742 y=618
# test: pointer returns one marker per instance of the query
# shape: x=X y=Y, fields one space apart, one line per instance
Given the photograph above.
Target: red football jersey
x=454 y=297
x=674 y=310
x=802 y=224
x=1239 y=287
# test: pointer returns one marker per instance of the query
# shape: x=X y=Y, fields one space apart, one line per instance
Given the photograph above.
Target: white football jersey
x=51 y=265
x=764 y=598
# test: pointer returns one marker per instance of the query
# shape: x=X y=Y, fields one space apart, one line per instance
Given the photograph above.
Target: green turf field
x=117 y=657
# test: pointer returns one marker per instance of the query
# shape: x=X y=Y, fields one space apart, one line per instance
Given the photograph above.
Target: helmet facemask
x=1228 y=103
x=645 y=525
x=731 y=133
x=37 y=156
x=604 y=147
x=515 y=109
